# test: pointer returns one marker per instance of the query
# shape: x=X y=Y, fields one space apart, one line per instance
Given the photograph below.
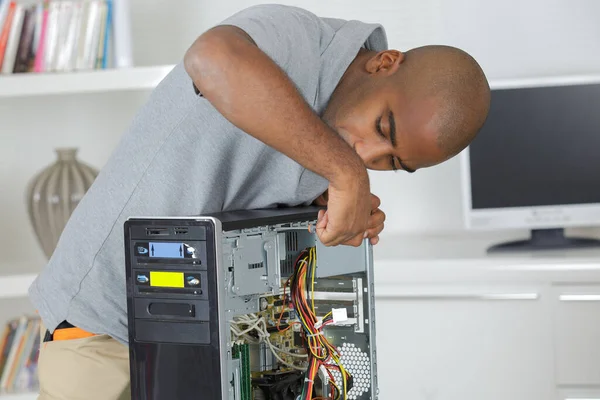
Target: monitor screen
x=540 y=146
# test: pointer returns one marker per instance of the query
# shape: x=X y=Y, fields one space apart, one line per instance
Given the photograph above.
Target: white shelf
x=15 y=286
x=19 y=396
x=39 y=84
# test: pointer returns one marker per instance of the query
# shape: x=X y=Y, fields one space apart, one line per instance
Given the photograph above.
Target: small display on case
x=165 y=250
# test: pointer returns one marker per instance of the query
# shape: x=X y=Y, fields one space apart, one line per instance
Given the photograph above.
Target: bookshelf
x=19 y=396
x=15 y=286
x=19 y=92
x=57 y=90
x=135 y=78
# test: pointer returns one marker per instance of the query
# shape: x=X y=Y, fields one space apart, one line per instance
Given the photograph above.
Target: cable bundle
x=244 y=324
x=321 y=354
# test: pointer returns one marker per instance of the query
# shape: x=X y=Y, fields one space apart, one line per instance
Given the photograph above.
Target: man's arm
x=253 y=93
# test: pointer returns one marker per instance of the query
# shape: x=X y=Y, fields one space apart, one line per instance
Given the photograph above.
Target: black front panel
x=173 y=372
x=172 y=309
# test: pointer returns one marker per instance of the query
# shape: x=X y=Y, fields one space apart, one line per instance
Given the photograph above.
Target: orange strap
x=70 y=334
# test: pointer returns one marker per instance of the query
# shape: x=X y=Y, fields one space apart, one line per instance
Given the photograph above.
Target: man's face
x=388 y=132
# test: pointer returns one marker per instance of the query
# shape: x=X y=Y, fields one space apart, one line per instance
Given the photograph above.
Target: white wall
x=509 y=38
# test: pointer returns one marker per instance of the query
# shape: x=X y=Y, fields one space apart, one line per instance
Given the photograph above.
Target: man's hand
x=375 y=223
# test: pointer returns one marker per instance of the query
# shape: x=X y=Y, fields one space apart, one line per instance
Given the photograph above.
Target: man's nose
x=369 y=152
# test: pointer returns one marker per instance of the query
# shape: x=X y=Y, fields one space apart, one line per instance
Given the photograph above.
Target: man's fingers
x=373 y=232
x=321 y=200
x=377 y=218
x=321 y=220
x=329 y=238
x=335 y=235
x=355 y=241
x=321 y=228
x=375 y=202
x=343 y=239
x=330 y=241
x=328 y=235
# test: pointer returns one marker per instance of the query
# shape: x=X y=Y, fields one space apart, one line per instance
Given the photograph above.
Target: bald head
x=455 y=83
x=409 y=110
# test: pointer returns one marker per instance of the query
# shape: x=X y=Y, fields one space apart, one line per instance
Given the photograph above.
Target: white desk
x=457 y=324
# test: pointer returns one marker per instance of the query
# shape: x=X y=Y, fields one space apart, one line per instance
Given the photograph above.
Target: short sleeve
x=286 y=34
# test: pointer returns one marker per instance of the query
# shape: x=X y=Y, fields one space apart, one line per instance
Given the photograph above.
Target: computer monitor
x=536 y=162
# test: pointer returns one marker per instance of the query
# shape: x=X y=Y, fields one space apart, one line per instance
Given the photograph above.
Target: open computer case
x=248 y=305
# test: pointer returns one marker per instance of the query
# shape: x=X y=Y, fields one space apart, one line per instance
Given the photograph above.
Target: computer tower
x=248 y=305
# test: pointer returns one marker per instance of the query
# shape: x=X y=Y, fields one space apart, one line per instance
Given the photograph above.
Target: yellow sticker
x=166 y=279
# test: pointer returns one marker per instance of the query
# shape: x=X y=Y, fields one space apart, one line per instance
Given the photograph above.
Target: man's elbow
x=212 y=53
x=201 y=57
x=191 y=60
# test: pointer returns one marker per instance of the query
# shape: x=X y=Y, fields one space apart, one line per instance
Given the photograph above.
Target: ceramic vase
x=54 y=193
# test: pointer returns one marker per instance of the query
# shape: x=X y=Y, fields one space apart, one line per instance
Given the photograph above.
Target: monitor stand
x=545 y=239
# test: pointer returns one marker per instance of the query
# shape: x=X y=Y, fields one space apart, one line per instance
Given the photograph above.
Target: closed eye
x=378 y=127
x=380 y=131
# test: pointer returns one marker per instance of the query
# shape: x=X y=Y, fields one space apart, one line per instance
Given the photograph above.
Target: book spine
x=4 y=34
x=25 y=42
x=72 y=37
x=51 y=45
x=102 y=33
x=107 y=33
x=41 y=48
x=122 y=34
x=3 y=11
x=13 y=40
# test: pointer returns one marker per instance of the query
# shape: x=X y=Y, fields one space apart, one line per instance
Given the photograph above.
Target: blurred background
x=455 y=321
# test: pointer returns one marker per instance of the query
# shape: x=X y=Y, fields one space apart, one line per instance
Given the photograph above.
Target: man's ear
x=385 y=62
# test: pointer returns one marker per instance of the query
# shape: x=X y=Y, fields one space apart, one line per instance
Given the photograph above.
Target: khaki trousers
x=91 y=368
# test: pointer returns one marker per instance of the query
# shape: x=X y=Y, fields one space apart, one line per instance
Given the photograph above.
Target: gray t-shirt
x=180 y=157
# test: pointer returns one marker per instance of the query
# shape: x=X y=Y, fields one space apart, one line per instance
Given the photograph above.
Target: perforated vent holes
x=255 y=265
x=291 y=250
x=291 y=241
x=357 y=363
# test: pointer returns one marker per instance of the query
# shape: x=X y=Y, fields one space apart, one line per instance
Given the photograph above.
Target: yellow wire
x=337 y=387
x=343 y=373
x=344 y=378
x=315 y=341
x=312 y=339
x=311 y=262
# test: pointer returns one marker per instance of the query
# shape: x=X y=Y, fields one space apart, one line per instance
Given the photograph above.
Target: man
x=274 y=106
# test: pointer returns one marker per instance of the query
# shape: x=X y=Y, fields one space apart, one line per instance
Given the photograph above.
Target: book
x=42 y=36
x=19 y=352
x=5 y=30
x=12 y=43
x=23 y=60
